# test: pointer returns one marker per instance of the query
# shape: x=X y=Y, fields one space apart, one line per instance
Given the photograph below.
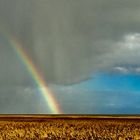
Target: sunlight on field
x=71 y=129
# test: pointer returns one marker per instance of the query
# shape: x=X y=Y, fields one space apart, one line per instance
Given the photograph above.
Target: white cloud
x=132 y=41
x=121 y=69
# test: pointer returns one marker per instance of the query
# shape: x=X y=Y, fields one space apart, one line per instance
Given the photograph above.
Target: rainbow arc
x=35 y=73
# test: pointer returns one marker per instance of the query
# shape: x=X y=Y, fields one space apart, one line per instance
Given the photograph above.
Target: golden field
x=69 y=128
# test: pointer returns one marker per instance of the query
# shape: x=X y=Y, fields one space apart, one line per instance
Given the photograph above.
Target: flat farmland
x=69 y=127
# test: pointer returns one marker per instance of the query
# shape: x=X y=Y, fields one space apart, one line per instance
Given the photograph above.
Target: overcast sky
x=69 y=41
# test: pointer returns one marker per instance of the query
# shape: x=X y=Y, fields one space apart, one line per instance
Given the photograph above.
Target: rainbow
x=35 y=74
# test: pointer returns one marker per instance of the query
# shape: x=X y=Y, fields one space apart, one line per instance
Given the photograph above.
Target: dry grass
x=71 y=129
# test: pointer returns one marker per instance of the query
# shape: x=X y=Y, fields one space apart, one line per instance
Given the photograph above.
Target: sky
x=84 y=49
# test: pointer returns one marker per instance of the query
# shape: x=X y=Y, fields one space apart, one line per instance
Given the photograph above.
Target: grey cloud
x=69 y=40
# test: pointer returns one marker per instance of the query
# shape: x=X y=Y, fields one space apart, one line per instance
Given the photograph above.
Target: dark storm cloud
x=69 y=40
